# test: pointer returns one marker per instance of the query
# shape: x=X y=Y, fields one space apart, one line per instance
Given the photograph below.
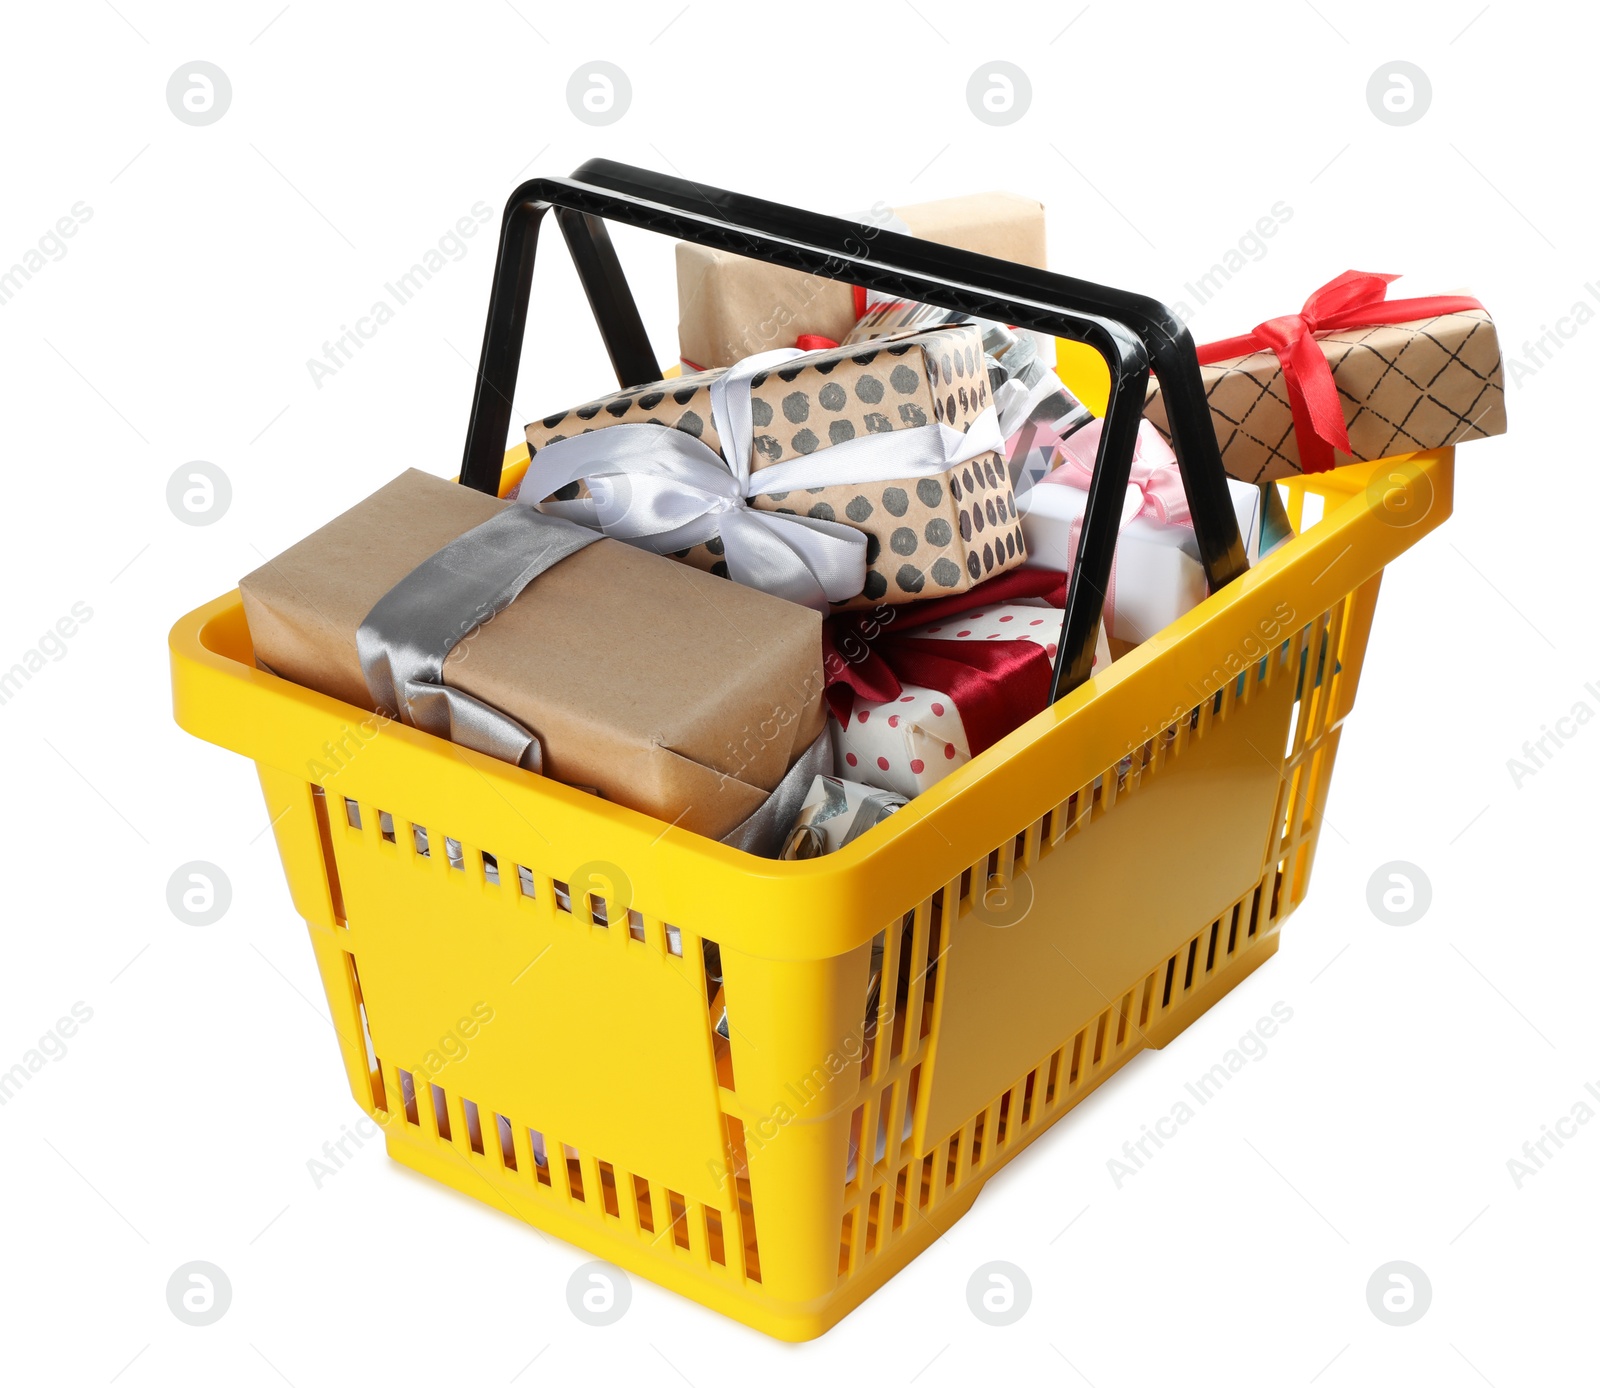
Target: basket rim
x=955 y=822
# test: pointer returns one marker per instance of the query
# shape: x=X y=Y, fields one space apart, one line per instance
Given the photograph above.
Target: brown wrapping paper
x=730 y=306
x=928 y=536
x=1404 y=387
x=654 y=684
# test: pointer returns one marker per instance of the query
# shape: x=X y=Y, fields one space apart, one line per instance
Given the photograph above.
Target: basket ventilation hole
x=386 y=825
x=541 y=1160
x=352 y=813
x=441 y=1111
x=474 y=1126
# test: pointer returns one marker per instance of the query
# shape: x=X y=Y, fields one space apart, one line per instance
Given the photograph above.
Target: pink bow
x=1154 y=477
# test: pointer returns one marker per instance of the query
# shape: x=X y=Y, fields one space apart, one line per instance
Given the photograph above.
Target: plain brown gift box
x=730 y=306
x=664 y=688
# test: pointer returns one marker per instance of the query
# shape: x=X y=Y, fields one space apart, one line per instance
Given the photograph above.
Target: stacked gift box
x=774 y=598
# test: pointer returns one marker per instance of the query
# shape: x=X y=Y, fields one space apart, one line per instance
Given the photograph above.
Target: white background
x=179 y=1122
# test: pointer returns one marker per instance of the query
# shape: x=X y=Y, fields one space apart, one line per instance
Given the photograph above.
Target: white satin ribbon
x=664 y=490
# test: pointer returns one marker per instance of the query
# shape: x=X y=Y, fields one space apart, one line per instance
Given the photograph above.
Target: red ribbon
x=1354 y=300
x=996 y=685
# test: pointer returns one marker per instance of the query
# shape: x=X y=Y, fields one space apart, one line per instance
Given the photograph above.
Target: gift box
x=984 y=671
x=1157 y=574
x=835 y=813
x=1352 y=376
x=1036 y=410
x=860 y=475
x=652 y=684
x=730 y=306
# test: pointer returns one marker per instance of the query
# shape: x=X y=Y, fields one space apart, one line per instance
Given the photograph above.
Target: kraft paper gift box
x=655 y=685
x=925 y=536
x=916 y=739
x=1392 y=377
x=730 y=306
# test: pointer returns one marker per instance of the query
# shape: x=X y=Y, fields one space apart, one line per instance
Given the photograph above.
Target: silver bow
x=664 y=490
x=403 y=642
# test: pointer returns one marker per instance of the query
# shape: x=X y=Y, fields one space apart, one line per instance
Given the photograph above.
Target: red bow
x=1354 y=300
x=996 y=685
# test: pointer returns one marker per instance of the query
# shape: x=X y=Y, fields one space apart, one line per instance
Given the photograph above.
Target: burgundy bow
x=997 y=685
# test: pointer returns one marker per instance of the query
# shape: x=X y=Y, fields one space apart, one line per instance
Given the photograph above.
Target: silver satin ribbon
x=763 y=833
x=404 y=640
x=664 y=490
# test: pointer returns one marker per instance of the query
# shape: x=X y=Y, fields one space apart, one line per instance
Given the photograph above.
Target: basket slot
x=474 y=1125
x=678 y=1218
x=643 y=1210
x=540 y=1155
x=408 y=1097
x=914 y=972
x=380 y=1101
x=525 y=882
x=319 y=808
x=714 y=1245
x=572 y=1165
x=872 y=1007
x=352 y=813
x=853 y=1162
x=608 y=1189
x=719 y=1016
x=441 y=1112
x=490 y=867
x=504 y=1134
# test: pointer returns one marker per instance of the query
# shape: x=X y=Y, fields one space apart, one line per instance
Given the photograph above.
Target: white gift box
x=1157 y=575
x=909 y=743
x=834 y=813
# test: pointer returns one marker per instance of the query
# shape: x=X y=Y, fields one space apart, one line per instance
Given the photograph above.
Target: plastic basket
x=520 y=978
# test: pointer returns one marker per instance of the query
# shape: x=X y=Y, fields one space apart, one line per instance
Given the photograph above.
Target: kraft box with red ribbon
x=847 y=477
x=1353 y=375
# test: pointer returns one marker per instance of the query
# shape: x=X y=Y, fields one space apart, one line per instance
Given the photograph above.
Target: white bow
x=664 y=490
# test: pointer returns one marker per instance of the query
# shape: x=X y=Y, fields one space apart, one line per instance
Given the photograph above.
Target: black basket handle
x=1132 y=333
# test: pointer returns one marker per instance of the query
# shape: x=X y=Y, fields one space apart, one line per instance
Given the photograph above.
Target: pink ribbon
x=1154 y=476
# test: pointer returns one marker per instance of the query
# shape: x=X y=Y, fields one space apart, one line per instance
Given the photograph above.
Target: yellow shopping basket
x=527 y=981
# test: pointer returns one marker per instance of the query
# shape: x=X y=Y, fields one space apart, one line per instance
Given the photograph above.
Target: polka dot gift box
x=827 y=440
x=909 y=742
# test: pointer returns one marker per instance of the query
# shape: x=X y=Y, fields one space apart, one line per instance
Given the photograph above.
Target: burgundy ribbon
x=1353 y=300
x=996 y=685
